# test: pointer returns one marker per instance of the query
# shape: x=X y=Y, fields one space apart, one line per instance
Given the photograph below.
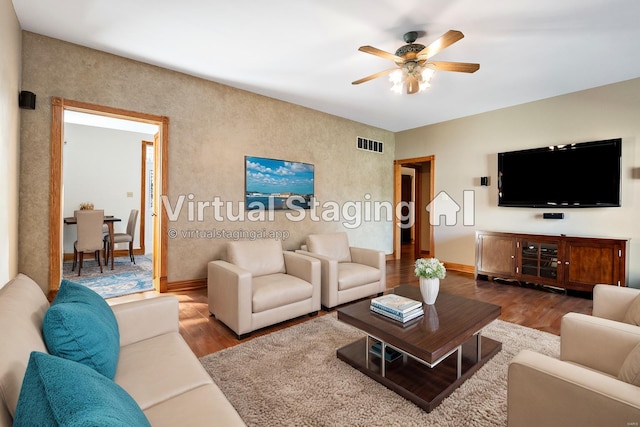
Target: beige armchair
x=348 y=273
x=261 y=285
x=596 y=381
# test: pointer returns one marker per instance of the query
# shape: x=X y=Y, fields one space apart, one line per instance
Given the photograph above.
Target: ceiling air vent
x=369 y=145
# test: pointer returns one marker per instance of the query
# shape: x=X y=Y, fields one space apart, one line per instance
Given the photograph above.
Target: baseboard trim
x=186 y=285
x=462 y=268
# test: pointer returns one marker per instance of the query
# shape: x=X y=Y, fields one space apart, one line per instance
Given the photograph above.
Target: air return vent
x=369 y=145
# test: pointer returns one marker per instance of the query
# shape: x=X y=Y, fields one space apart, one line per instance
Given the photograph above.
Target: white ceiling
x=306 y=51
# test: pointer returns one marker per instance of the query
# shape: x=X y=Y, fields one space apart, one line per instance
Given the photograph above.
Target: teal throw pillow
x=57 y=391
x=80 y=326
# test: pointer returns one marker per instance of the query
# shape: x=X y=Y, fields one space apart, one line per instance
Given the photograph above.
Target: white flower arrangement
x=430 y=268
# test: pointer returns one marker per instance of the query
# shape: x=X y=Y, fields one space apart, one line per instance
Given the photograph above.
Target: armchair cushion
x=333 y=245
x=632 y=315
x=80 y=326
x=630 y=370
x=277 y=290
x=351 y=275
x=258 y=257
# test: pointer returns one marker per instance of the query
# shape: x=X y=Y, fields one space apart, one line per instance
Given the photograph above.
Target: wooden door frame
x=58 y=105
x=419 y=203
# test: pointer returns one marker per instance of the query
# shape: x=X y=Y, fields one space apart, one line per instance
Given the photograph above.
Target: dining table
x=108 y=220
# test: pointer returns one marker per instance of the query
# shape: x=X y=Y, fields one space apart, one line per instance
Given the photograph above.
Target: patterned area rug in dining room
x=126 y=278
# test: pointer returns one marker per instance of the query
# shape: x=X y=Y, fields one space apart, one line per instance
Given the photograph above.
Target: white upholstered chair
x=596 y=380
x=89 y=240
x=260 y=285
x=348 y=273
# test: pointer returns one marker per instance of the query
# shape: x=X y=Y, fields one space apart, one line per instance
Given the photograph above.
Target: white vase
x=429 y=289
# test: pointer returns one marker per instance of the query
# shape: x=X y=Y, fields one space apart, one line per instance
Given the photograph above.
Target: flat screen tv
x=582 y=175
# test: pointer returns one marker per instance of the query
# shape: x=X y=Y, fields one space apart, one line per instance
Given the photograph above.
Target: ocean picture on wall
x=277 y=184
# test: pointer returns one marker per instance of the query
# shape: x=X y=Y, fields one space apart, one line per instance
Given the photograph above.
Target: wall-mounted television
x=581 y=175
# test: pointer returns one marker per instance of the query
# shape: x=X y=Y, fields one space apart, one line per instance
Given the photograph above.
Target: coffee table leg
x=459 y=361
x=479 y=346
x=367 y=346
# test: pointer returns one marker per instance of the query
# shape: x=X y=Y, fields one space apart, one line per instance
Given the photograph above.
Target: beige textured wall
x=466 y=149
x=10 y=68
x=212 y=127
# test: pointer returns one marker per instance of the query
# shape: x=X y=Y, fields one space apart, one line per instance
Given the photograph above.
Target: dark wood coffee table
x=440 y=350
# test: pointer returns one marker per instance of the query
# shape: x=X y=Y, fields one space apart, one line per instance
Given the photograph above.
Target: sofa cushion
x=158 y=369
x=632 y=315
x=22 y=307
x=277 y=290
x=630 y=369
x=80 y=326
x=352 y=275
x=259 y=257
x=57 y=391
x=332 y=245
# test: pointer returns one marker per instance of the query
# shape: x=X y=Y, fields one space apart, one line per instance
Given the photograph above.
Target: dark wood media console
x=569 y=262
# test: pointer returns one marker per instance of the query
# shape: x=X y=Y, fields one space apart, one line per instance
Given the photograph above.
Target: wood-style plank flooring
x=527 y=306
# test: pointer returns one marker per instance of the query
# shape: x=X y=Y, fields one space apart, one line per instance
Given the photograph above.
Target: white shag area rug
x=292 y=377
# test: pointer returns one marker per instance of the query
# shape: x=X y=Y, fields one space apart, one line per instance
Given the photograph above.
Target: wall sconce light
x=27 y=100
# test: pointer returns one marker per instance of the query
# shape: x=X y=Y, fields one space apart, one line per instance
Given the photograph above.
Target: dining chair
x=89 y=228
x=127 y=237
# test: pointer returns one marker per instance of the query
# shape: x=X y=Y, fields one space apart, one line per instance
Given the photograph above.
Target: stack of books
x=397 y=307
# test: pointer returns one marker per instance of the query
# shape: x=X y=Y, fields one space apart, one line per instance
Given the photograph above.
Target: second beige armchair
x=348 y=273
x=260 y=285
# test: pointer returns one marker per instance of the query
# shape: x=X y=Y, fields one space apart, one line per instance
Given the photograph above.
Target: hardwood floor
x=527 y=306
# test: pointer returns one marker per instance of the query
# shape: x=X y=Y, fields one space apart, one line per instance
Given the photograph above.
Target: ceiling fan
x=414 y=68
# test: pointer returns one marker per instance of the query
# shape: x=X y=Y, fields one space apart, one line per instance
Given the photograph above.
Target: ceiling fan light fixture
x=414 y=71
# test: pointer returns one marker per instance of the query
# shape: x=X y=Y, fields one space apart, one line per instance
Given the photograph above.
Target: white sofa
x=155 y=365
x=587 y=385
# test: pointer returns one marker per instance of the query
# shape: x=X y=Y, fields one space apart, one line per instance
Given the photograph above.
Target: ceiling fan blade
x=412 y=85
x=462 y=67
x=381 y=53
x=447 y=39
x=374 y=76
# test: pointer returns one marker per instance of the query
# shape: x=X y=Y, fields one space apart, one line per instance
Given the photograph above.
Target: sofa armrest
x=596 y=343
x=612 y=302
x=142 y=319
x=544 y=391
x=230 y=295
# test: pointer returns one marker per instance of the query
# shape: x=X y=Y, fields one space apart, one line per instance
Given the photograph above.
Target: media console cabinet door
x=588 y=263
x=495 y=255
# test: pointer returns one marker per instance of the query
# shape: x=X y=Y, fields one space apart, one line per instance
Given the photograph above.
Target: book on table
x=389 y=353
x=410 y=315
x=396 y=304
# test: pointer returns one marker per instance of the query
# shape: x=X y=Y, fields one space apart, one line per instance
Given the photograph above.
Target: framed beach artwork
x=277 y=184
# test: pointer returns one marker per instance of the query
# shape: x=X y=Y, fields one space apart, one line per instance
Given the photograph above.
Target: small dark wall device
x=484 y=181
x=27 y=100
x=553 y=215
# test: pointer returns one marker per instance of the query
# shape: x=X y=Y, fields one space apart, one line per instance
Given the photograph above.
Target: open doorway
x=157 y=186
x=414 y=182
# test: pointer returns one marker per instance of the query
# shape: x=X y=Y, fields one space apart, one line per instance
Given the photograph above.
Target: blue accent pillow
x=80 y=326
x=57 y=391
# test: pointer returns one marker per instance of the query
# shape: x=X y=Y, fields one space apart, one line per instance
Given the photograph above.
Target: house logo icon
x=443 y=205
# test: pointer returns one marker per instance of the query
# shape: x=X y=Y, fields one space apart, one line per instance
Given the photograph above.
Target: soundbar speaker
x=553 y=215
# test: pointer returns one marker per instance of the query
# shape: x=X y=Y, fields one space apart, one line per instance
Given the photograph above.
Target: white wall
x=466 y=149
x=10 y=68
x=101 y=166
